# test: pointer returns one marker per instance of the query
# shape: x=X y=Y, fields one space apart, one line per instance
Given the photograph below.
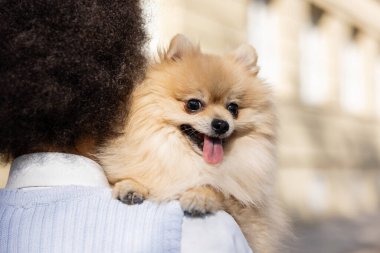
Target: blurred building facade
x=323 y=59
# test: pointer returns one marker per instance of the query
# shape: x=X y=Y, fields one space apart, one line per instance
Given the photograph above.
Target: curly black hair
x=67 y=68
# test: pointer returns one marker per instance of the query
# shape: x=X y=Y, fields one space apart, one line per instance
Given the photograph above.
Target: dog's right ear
x=246 y=55
x=180 y=46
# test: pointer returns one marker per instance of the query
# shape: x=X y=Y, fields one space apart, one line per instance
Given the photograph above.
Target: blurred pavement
x=361 y=235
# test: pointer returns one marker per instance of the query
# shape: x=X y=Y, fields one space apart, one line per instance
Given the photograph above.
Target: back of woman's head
x=67 y=68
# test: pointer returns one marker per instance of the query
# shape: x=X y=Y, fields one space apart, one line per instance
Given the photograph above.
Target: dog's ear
x=247 y=56
x=180 y=46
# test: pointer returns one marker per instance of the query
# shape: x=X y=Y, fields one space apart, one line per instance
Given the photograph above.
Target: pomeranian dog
x=201 y=129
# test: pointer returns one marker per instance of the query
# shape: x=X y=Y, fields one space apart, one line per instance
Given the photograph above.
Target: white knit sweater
x=85 y=219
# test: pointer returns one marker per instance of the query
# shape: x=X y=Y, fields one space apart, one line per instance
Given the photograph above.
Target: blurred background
x=322 y=58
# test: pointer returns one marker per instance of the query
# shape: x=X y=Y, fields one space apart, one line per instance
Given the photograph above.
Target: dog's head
x=210 y=100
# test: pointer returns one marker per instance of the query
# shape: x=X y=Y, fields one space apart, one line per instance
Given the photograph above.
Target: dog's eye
x=234 y=109
x=193 y=105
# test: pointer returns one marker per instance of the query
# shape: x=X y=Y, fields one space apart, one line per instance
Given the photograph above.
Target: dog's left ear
x=179 y=47
x=246 y=55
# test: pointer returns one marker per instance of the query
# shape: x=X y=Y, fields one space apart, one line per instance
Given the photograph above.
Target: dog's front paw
x=201 y=200
x=130 y=192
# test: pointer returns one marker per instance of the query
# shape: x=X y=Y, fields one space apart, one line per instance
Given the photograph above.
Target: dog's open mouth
x=211 y=147
x=196 y=137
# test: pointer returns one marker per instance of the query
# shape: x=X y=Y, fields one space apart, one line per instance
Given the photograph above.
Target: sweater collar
x=55 y=169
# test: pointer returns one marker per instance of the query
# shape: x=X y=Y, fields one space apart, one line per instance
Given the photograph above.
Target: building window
x=263 y=34
x=353 y=97
x=314 y=75
x=377 y=87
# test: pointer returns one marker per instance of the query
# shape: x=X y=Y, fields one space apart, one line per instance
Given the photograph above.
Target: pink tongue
x=212 y=150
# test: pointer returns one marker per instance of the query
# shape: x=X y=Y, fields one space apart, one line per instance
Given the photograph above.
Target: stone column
x=337 y=33
x=369 y=52
x=292 y=16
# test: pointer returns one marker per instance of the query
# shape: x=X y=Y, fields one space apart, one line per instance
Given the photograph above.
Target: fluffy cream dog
x=201 y=129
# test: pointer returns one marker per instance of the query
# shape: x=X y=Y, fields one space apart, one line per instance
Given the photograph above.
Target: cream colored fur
x=155 y=153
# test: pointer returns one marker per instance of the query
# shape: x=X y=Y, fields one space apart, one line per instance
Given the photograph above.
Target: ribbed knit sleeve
x=85 y=219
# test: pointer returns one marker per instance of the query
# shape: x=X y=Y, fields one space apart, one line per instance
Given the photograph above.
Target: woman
x=67 y=68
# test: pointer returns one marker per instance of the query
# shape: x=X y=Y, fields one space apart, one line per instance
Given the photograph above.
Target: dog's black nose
x=220 y=126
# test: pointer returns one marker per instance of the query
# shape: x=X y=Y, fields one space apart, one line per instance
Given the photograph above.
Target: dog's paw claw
x=200 y=201
x=130 y=192
x=195 y=213
x=132 y=198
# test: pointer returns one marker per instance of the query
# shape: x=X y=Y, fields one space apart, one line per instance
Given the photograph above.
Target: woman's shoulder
x=78 y=218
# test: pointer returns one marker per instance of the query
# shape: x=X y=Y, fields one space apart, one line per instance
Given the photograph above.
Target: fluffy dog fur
x=157 y=160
